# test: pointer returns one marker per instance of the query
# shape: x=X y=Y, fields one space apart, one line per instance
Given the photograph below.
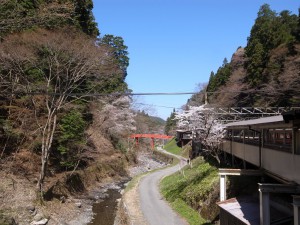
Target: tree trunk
x=48 y=133
x=218 y=159
x=42 y=178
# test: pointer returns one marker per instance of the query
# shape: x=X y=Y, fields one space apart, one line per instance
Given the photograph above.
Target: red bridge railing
x=152 y=136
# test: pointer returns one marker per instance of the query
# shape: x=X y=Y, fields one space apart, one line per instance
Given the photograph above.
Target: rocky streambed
x=18 y=205
x=97 y=207
x=101 y=204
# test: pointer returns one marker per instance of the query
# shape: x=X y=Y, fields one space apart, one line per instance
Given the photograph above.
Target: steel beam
x=279 y=188
x=264 y=199
x=239 y=172
x=264 y=207
x=296 y=204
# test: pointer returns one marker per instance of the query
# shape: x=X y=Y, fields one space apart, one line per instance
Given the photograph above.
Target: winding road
x=155 y=209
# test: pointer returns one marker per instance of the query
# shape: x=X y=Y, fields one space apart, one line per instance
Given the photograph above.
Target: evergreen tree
x=285 y=28
x=260 y=42
x=119 y=51
x=269 y=31
x=170 y=123
x=297 y=34
x=211 y=83
x=16 y=16
x=85 y=18
x=225 y=62
x=257 y=64
x=221 y=77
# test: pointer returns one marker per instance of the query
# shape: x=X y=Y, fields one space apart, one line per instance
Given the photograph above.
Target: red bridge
x=152 y=136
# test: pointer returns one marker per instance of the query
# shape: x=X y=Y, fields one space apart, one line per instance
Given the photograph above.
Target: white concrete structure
x=272 y=144
x=280 y=158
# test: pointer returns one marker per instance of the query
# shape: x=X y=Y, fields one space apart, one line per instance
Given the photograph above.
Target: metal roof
x=260 y=121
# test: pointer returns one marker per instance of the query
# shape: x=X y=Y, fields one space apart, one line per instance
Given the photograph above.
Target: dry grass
x=16 y=195
x=131 y=205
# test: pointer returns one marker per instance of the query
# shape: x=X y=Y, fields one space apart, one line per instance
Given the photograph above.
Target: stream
x=105 y=209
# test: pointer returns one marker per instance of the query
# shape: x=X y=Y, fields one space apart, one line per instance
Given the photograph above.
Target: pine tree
x=85 y=18
x=170 y=123
x=119 y=51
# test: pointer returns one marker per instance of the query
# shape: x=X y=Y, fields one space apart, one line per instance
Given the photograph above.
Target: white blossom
x=205 y=126
x=119 y=117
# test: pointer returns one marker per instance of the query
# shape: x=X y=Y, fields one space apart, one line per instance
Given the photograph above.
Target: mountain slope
x=265 y=72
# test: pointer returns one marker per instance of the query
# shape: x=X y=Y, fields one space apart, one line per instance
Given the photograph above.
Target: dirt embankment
x=68 y=198
x=67 y=195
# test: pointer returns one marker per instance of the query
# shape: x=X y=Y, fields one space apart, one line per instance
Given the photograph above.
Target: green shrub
x=172 y=147
x=191 y=188
x=71 y=129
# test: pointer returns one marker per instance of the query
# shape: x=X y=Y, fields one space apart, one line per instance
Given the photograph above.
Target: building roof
x=183 y=131
x=260 y=121
x=245 y=210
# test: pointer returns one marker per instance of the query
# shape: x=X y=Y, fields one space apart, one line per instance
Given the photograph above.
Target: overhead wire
x=131 y=93
x=100 y=94
x=152 y=105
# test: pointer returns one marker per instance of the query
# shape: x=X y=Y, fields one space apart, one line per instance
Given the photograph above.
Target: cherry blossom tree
x=205 y=127
x=119 y=120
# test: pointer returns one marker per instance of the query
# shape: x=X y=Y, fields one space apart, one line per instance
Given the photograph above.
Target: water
x=105 y=210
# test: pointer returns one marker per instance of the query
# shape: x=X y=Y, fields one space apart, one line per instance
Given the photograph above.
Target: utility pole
x=205 y=96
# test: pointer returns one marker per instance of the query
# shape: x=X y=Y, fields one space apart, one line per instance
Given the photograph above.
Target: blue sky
x=174 y=44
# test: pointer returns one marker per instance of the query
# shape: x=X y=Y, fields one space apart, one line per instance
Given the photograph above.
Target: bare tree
x=52 y=66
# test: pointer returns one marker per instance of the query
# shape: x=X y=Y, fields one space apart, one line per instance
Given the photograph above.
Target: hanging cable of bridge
x=152 y=105
x=101 y=94
x=130 y=93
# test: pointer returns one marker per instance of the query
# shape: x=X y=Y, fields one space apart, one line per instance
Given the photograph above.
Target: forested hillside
x=148 y=124
x=16 y=16
x=58 y=136
x=263 y=73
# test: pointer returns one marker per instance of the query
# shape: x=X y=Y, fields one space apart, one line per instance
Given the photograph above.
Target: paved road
x=156 y=210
